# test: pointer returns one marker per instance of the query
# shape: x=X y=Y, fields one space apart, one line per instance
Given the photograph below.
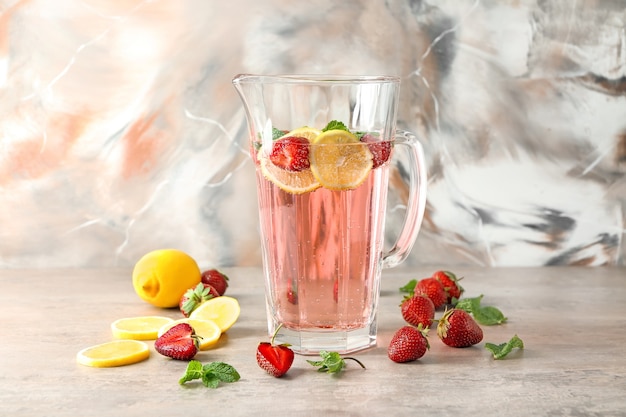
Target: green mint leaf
x=335 y=125
x=332 y=362
x=501 y=350
x=489 y=316
x=210 y=380
x=194 y=371
x=211 y=374
x=277 y=133
x=223 y=371
x=409 y=286
x=485 y=315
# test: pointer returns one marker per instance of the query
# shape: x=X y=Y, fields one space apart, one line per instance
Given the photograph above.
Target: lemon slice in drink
x=339 y=161
x=294 y=182
x=208 y=330
x=139 y=328
x=115 y=353
x=224 y=311
x=306 y=132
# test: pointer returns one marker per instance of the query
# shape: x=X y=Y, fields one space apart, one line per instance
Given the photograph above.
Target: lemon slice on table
x=115 y=353
x=139 y=328
x=224 y=311
x=208 y=330
x=339 y=161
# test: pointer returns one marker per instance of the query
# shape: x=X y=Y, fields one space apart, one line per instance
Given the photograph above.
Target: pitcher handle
x=416 y=204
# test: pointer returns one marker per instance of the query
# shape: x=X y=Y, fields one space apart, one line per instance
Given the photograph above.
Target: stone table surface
x=571 y=319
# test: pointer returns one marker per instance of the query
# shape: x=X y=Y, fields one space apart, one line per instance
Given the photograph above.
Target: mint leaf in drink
x=277 y=133
x=335 y=125
x=211 y=374
x=332 y=362
x=409 y=286
x=503 y=349
x=485 y=315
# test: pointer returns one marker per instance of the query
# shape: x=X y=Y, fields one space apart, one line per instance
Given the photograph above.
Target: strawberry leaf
x=409 y=287
x=211 y=374
x=503 y=349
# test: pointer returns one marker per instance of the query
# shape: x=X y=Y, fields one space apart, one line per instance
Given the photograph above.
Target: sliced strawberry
x=180 y=342
x=274 y=359
x=193 y=297
x=216 y=279
x=291 y=153
x=381 y=150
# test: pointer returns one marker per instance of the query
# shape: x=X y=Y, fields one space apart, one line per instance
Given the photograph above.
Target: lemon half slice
x=306 y=132
x=293 y=182
x=208 y=330
x=115 y=353
x=139 y=328
x=224 y=311
x=339 y=161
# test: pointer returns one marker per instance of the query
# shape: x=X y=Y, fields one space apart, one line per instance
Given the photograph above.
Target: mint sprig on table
x=503 y=349
x=332 y=362
x=485 y=315
x=211 y=374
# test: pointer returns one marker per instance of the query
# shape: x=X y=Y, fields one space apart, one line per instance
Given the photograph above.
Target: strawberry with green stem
x=408 y=344
x=418 y=310
x=193 y=297
x=432 y=289
x=215 y=279
x=274 y=359
x=457 y=328
x=451 y=285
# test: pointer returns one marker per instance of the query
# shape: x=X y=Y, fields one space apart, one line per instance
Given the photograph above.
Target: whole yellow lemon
x=161 y=277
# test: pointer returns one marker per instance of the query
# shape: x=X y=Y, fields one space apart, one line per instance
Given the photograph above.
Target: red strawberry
x=291 y=153
x=432 y=289
x=408 y=344
x=193 y=297
x=418 y=309
x=274 y=359
x=180 y=342
x=458 y=329
x=215 y=279
x=450 y=284
x=292 y=293
x=381 y=150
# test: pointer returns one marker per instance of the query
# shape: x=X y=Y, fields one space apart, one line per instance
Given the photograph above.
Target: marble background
x=121 y=132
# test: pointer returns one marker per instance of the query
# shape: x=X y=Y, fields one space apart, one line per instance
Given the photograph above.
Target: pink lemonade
x=322 y=258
